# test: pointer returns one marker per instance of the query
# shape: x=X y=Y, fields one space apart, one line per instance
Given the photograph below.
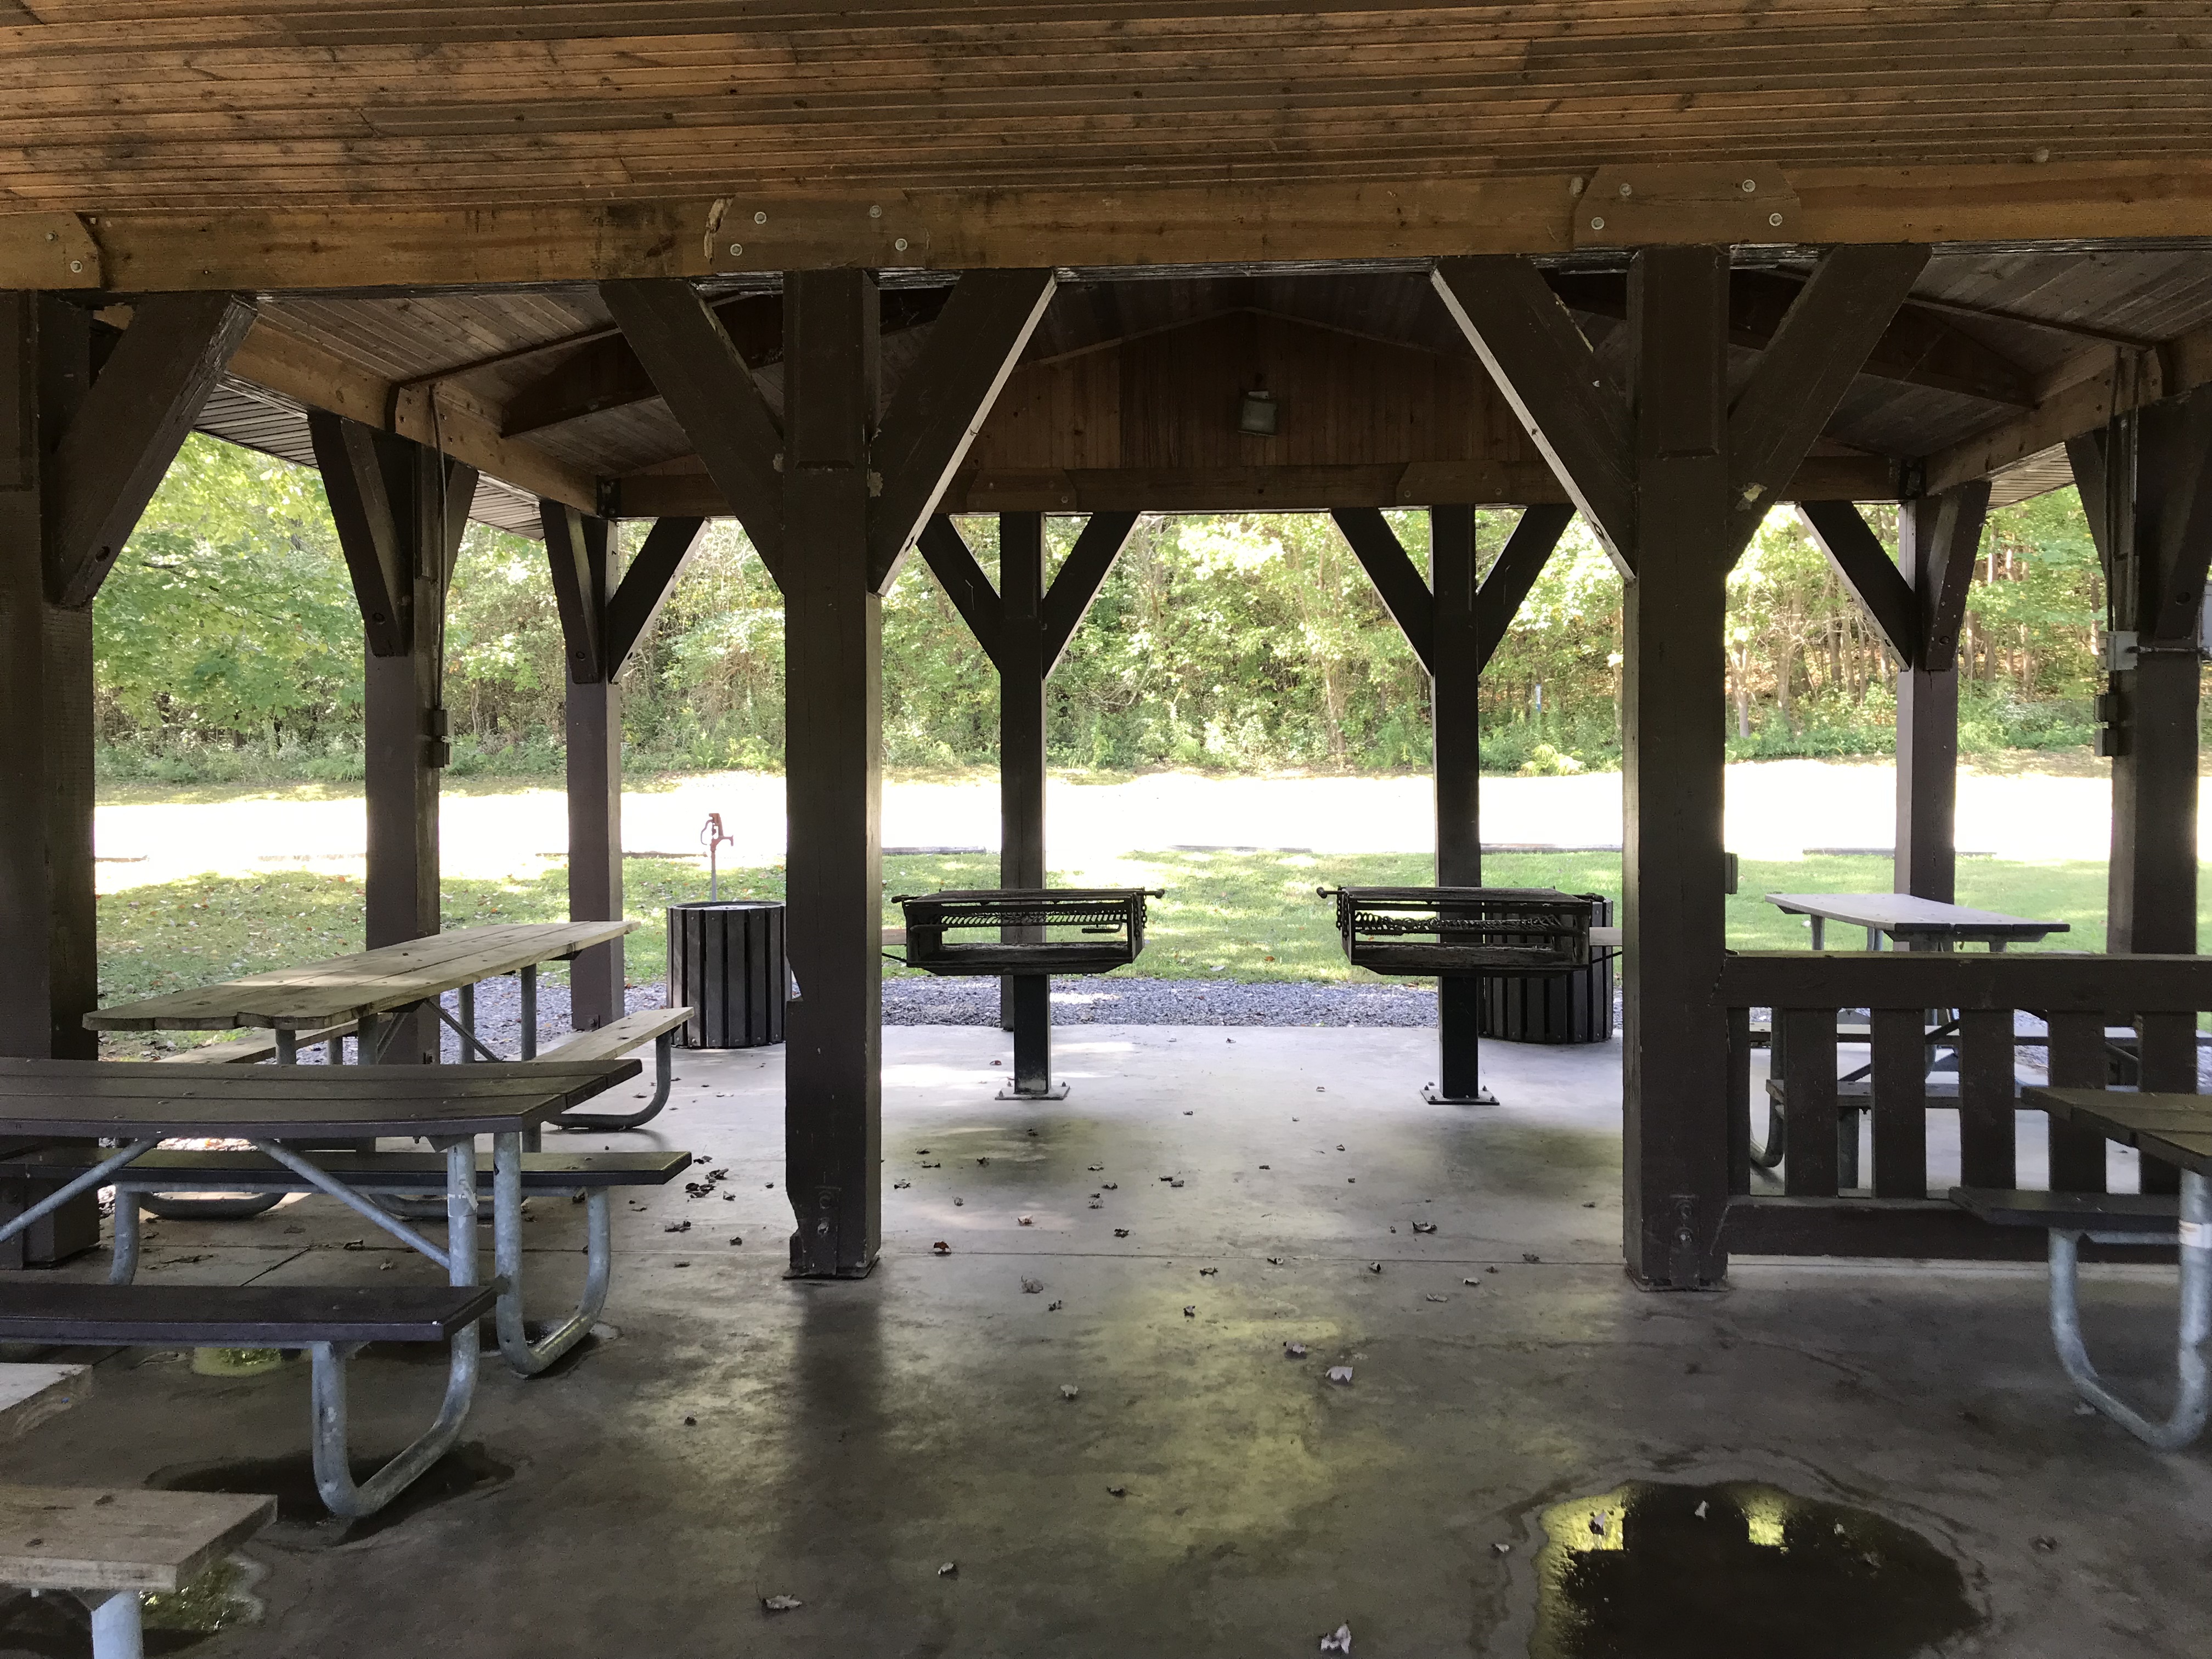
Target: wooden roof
x=425 y=191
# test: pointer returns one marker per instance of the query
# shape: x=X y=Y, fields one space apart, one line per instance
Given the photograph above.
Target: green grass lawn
x=1230 y=915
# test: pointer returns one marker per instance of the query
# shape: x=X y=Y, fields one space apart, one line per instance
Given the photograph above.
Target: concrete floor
x=742 y=1436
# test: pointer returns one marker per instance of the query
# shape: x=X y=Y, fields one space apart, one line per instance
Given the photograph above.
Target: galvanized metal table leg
x=117 y=1630
x=527 y=1358
x=663 y=1076
x=123 y=1261
x=2192 y=1402
x=1032 y=1080
x=1818 y=926
x=333 y=1470
x=1459 y=1044
x=288 y=1047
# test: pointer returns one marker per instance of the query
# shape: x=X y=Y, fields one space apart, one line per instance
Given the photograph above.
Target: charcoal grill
x=1025 y=936
x=1461 y=935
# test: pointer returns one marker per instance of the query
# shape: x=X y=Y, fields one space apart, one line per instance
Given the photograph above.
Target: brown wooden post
x=400 y=510
x=1021 y=666
x=602 y=621
x=1675 y=478
x=2146 y=487
x=833 y=498
x=1937 y=537
x=80 y=457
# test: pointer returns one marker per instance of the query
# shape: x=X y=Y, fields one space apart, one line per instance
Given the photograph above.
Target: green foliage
x=229 y=650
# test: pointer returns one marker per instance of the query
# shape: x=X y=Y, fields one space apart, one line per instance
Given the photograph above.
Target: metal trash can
x=1572 y=1007
x=726 y=962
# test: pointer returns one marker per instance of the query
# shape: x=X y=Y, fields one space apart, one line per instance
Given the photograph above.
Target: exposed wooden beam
x=2129 y=381
x=684 y=489
x=2085 y=455
x=319 y=378
x=369 y=527
x=646 y=585
x=943 y=402
x=603 y=374
x=1435 y=218
x=132 y=422
x=1801 y=377
x=1545 y=369
x=946 y=552
x=1521 y=560
x=700 y=371
x=1081 y=575
x=1867 y=573
x=1919 y=347
x=577 y=551
x=1944 y=557
x=1404 y=592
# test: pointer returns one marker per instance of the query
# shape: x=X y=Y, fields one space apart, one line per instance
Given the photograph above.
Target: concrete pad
x=742 y=1436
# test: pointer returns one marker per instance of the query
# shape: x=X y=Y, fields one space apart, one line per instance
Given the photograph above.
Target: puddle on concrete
x=301 y=1520
x=1636 y=1573
x=57 y=1626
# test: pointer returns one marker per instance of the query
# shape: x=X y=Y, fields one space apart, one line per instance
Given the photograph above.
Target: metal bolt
x=1597 y=224
x=875 y=212
x=1749 y=186
x=900 y=245
x=1625 y=190
x=737 y=249
x=760 y=218
x=77 y=267
x=53 y=236
x=1774 y=219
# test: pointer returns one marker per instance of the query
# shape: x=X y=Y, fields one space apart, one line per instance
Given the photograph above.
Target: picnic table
x=2176 y=1129
x=1915 y=923
x=140 y=1106
x=358 y=991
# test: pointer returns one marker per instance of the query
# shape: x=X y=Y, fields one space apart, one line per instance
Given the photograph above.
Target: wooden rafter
x=1406 y=595
x=132 y=422
x=251 y=245
x=1867 y=573
x=1080 y=576
x=576 y=554
x=646 y=585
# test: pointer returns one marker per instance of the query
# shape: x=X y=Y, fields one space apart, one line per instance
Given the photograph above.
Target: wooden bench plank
x=252 y=1050
x=50 y=1098
x=2102 y=1212
x=120 y=1538
x=237 y=1315
x=379 y=1171
x=617 y=1037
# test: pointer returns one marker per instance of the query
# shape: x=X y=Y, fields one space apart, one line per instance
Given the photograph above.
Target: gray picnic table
x=325 y=1001
x=280 y=1110
x=1915 y=923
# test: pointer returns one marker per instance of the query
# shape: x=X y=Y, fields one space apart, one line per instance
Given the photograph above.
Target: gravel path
x=1118 y=1001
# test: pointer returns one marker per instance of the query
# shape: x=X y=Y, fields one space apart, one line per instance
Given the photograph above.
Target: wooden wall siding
x=1169 y=402
x=149 y=104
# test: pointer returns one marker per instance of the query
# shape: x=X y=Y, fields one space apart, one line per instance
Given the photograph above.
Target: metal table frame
x=333 y=1470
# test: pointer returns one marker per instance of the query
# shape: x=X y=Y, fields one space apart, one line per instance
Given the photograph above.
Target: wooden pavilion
x=841 y=271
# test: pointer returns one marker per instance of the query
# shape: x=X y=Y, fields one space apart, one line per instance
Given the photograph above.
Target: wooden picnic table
x=141 y=1105
x=1927 y=924
x=353 y=992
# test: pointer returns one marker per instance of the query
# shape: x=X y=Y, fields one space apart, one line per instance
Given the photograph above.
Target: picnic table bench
x=109 y=1546
x=1916 y=923
x=2178 y=1130
x=141 y=1105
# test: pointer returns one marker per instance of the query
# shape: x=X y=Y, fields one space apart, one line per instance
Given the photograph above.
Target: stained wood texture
x=2175 y=1129
x=1867 y=572
x=547 y=1172
x=119 y=1539
x=1938 y=538
x=1922 y=1228
x=30 y=1393
x=317 y=993
x=1938 y=979
x=130 y=1102
x=237 y=1315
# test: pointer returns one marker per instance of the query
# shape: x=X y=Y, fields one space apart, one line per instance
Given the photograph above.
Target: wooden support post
x=833 y=499
x=1937 y=537
x=400 y=509
x=2145 y=485
x=1455 y=622
x=80 y=457
x=601 y=624
x=1675 y=479
x=1021 y=729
